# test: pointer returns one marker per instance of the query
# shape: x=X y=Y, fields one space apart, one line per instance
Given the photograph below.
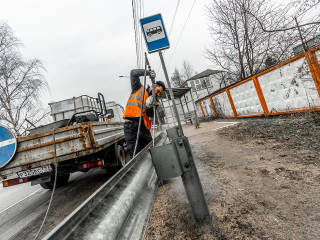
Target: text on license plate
x=35 y=171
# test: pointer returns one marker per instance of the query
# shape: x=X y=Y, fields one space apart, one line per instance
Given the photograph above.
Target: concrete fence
x=291 y=86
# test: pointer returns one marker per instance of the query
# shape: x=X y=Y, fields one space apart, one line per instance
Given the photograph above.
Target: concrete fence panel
x=223 y=105
x=291 y=86
x=246 y=99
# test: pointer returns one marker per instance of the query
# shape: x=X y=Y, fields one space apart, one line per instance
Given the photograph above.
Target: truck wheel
x=121 y=156
x=46 y=185
x=61 y=181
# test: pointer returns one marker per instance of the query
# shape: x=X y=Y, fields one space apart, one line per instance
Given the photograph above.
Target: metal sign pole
x=171 y=93
x=174 y=159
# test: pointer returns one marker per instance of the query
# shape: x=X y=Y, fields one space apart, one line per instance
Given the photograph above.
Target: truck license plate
x=35 y=171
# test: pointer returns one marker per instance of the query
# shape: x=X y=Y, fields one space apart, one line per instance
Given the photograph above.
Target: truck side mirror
x=110 y=113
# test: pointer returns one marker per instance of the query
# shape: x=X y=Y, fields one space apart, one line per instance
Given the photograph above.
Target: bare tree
x=301 y=24
x=187 y=70
x=251 y=35
x=240 y=45
x=21 y=84
x=180 y=76
x=176 y=78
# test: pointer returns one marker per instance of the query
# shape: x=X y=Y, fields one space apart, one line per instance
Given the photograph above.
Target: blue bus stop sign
x=8 y=145
x=154 y=33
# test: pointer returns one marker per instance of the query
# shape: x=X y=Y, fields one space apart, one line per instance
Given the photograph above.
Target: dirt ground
x=261 y=180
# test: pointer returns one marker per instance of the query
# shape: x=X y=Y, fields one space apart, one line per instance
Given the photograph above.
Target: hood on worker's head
x=161 y=83
x=147 y=88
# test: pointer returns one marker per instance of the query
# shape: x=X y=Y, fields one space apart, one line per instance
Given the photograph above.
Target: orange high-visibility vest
x=133 y=107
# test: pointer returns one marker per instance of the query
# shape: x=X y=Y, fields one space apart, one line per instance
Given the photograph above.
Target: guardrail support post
x=176 y=159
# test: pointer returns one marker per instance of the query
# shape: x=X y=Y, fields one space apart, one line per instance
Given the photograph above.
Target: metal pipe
x=154 y=97
x=165 y=111
x=170 y=91
x=144 y=87
x=182 y=108
x=154 y=122
x=194 y=106
x=81 y=102
x=174 y=123
x=186 y=101
x=157 y=113
x=30 y=123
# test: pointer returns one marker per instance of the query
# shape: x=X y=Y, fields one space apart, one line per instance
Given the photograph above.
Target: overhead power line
x=182 y=31
x=137 y=8
x=174 y=17
x=134 y=25
x=171 y=27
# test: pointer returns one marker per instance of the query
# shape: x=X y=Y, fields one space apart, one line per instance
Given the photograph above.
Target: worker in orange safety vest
x=133 y=110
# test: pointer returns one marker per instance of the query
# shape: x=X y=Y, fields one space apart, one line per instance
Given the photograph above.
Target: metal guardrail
x=120 y=208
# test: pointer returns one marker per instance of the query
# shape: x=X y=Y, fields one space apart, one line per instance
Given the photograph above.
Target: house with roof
x=205 y=83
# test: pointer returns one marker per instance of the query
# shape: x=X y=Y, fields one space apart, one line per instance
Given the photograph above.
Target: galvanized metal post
x=159 y=120
x=180 y=146
x=185 y=99
x=182 y=108
x=176 y=159
x=193 y=187
x=194 y=106
x=165 y=111
x=170 y=91
x=174 y=123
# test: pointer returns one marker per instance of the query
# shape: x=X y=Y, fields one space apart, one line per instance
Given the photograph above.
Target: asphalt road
x=23 y=206
x=12 y=195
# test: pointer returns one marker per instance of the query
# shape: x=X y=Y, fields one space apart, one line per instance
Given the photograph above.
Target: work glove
x=152 y=74
x=149 y=102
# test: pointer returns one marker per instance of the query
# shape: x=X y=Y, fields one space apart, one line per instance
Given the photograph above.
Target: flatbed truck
x=86 y=132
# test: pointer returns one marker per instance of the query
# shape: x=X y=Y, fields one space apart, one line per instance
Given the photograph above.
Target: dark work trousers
x=130 y=134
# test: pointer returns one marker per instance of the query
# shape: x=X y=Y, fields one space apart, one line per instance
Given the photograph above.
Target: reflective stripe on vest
x=133 y=107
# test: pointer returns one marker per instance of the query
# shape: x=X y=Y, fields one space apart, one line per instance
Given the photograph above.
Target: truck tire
x=121 y=156
x=46 y=185
x=61 y=181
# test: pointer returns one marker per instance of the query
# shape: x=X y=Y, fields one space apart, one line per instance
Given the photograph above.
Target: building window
x=198 y=85
x=208 y=82
x=203 y=83
x=192 y=85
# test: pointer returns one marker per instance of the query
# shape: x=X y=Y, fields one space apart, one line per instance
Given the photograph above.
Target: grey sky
x=86 y=45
